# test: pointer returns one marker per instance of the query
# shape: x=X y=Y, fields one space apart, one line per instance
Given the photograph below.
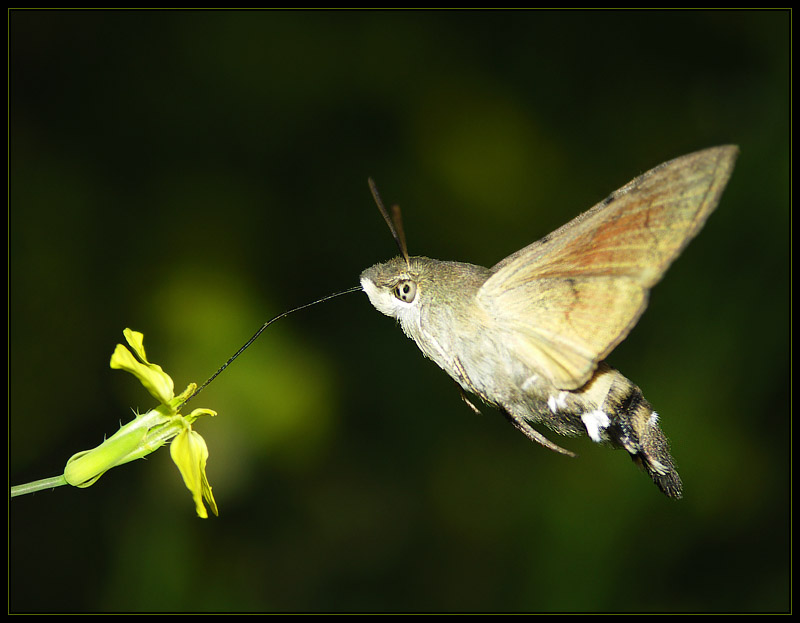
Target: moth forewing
x=584 y=286
x=642 y=226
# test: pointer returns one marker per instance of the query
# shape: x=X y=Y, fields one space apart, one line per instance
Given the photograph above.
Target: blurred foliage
x=191 y=174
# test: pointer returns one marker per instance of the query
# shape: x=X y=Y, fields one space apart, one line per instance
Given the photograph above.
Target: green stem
x=38 y=485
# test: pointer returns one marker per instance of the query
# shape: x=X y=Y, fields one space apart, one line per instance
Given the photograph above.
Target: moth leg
x=465 y=380
x=468 y=401
x=534 y=435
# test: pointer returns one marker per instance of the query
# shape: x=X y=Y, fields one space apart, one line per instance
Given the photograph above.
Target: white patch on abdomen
x=556 y=403
x=595 y=421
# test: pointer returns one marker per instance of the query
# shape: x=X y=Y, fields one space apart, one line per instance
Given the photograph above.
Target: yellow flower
x=151 y=430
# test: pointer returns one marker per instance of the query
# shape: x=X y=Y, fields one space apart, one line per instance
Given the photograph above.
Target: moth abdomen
x=633 y=425
x=610 y=409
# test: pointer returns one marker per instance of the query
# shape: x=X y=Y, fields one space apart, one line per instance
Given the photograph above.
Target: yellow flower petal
x=190 y=453
x=197 y=413
x=154 y=379
x=136 y=341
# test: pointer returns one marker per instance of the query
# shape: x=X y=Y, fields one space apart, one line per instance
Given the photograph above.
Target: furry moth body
x=530 y=335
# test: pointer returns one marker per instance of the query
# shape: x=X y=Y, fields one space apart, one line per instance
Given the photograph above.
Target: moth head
x=394 y=288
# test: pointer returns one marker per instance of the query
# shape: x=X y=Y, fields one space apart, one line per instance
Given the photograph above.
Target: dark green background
x=192 y=174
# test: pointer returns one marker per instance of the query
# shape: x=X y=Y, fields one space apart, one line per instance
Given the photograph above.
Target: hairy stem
x=38 y=485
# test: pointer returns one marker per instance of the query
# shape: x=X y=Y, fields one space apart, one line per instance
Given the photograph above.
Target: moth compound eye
x=405 y=291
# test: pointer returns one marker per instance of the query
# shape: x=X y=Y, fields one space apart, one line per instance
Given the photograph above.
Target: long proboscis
x=395 y=221
x=259 y=332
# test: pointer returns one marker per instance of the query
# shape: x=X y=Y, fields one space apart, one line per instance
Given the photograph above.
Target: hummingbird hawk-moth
x=531 y=334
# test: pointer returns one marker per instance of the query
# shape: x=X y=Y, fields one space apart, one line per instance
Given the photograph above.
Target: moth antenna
x=395 y=221
x=400 y=234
